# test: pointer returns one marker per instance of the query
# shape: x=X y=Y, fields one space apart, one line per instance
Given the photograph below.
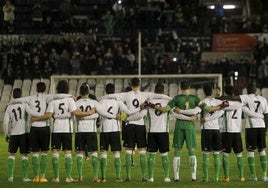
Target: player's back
x=213 y=124
x=258 y=104
x=158 y=122
x=233 y=119
x=38 y=103
x=17 y=116
x=186 y=101
x=86 y=125
x=109 y=124
x=62 y=107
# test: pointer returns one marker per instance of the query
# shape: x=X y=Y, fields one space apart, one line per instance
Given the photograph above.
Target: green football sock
x=95 y=164
x=251 y=163
x=263 y=159
x=128 y=164
x=226 y=165
x=117 y=164
x=68 y=165
x=151 y=163
x=79 y=164
x=103 y=167
x=205 y=165
x=217 y=165
x=55 y=164
x=165 y=164
x=11 y=164
x=240 y=165
x=143 y=164
x=43 y=165
x=25 y=164
x=35 y=163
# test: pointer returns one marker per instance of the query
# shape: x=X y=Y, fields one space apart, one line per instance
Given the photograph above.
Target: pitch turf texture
x=185 y=176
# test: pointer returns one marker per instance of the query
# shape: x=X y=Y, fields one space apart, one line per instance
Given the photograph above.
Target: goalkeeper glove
x=149 y=104
x=224 y=104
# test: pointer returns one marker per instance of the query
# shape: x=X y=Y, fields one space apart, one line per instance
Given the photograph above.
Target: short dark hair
x=127 y=89
x=109 y=88
x=208 y=89
x=17 y=93
x=84 y=89
x=159 y=88
x=135 y=82
x=251 y=88
x=229 y=90
x=41 y=87
x=62 y=86
x=185 y=85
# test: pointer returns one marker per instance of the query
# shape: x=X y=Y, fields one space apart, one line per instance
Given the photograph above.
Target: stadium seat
x=92 y=83
x=200 y=93
x=264 y=93
x=33 y=87
x=1 y=86
x=173 y=89
x=152 y=87
x=126 y=83
x=166 y=89
x=118 y=83
x=5 y=99
x=193 y=91
x=7 y=91
x=107 y=81
x=99 y=90
x=17 y=83
x=26 y=86
x=47 y=82
x=73 y=86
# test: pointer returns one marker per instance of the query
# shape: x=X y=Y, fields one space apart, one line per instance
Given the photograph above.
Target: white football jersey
x=215 y=123
x=232 y=119
x=89 y=122
x=133 y=100
x=258 y=104
x=15 y=119
x=108 y=109
x=62 y=107
x=38 y=104
x=158 y=122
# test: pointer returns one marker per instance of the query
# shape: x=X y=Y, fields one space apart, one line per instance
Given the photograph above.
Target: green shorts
x=181 y=135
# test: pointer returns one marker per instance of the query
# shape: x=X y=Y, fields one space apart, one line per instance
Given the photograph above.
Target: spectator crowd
x=100 y=37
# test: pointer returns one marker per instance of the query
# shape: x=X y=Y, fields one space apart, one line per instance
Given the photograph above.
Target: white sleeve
x=103 y=112
x=20 y=100
x=50 y=97
x=93 y=116
x=250 y=113
x=117 y=96
x=215 y=115
x=30 y=111
x=125 y=109
x=50 y=107
x=137 y=116
x=179 y=116
x=193 y=111
x=234 y=106
x=62 y=116
x=6 y=123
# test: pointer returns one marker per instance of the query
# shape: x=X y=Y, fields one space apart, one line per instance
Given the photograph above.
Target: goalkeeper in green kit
x=187 y=105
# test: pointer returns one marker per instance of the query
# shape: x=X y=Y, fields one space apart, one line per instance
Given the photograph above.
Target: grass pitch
x=185 y=174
